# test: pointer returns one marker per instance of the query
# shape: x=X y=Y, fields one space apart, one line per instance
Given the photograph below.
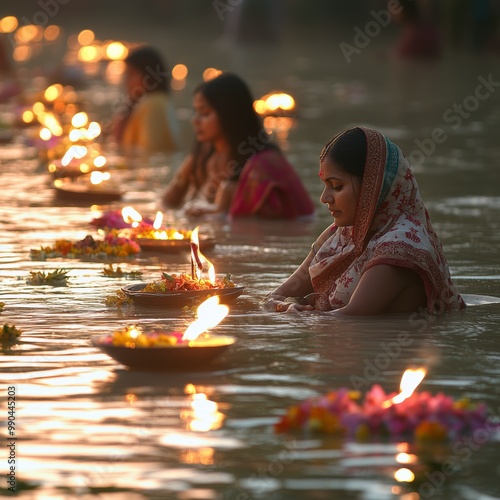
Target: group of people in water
x=380 y=255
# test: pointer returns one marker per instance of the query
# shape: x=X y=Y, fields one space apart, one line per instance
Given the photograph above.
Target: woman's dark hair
x=348 y=151
x=410 y=11
x=232 y=100
x=149 y=62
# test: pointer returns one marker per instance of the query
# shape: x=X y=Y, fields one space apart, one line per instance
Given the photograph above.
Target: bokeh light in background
x=8 y=24
x=210 y=73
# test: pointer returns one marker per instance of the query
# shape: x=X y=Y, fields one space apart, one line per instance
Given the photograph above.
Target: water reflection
x=88 y=424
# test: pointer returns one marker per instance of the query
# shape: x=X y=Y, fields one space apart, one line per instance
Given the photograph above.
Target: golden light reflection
x=80 y=119
x=8 y=24
x=93 y=131
x=97 y=177
x=73 y=152
x=52 y=33
x=179 y=72
x=99 y=161
x=89 y=53
x=178 y=84
x=277 y=103
x=211 y=73
x=50 y=121
x=53 y=92
x=45 y=134
x=409 y=382
x=131 y=398
x=404 y=476
x=74 y=135
x=28 y=116
x=279 y=125
x=21 y=53
x=85 y=37
x=114 y=71
x=116 y=51
x=29 y=33
x=406 y=458
x=203 y=456
x=203 y=414
x=38 y=108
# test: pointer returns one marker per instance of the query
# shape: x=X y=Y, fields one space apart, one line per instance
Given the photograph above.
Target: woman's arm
x=385 y=289
x=292 y=294
x=177 y=188
x=298 y=285
x=222 y=202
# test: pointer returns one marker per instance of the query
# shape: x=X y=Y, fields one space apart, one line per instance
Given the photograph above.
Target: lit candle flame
x=134 y=332
x=209 y=314
x=131 y=216
x=158 y=220
x=77 y=152
x=97 y=177
x=409 y=382
x=197 y=258
x=79 y=120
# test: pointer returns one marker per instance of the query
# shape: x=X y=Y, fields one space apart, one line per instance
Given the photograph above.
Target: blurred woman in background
x=147 y=124
x=235 y=168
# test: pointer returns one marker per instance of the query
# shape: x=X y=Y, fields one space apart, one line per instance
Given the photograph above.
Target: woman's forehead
x=328 y=169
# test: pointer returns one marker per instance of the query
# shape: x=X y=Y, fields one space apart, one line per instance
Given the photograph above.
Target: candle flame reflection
x=404 y=476
x=203 y=414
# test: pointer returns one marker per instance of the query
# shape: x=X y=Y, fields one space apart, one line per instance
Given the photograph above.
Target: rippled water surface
x=90 y=428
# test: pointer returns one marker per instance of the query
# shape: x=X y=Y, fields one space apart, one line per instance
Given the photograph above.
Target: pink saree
x=390 y=209
x=269 y=187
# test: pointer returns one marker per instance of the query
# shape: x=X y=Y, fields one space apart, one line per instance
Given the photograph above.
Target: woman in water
x=381 y=254
x=234 y=168
x=147 y=124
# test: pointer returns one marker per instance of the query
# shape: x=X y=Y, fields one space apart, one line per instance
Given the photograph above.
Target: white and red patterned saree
x=391 y=211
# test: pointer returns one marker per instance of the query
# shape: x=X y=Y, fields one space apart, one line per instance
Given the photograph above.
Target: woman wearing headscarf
x=381 y=255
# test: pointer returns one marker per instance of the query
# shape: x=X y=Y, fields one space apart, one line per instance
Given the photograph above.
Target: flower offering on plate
x=408 y=415
x=150 y=235
x=179 y=290
x=170 y=350
x=89 y=247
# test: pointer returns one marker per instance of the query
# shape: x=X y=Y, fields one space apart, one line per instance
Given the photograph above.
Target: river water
x=88 y=427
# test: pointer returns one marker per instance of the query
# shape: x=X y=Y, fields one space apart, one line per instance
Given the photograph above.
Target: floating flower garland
x=421 y=416
x=111 y=246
